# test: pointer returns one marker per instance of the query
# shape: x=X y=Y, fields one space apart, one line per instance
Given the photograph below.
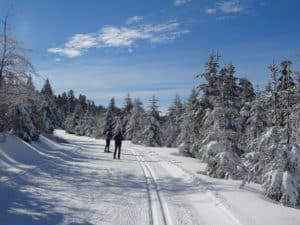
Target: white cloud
x=80 y=41
x=160 y=33
x=134 y=19
x=233 y=6
x=211 y=11
x=181 y=2
x=118 y=37
x=68 y=52
x=227 y=7
x=111 y=36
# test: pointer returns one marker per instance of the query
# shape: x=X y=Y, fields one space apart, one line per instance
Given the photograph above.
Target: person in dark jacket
x=118 y=144
x=109 y=136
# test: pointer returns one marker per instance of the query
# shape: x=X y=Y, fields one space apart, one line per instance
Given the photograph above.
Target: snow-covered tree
x=173 y=123
x=71 y=101
x=135 y=125
x=218 y=138
x=246 y=91
x=21 y=121
x=126 y=115
x=48 y=108
x=188 y=129
x=110 y=120
x=19 y=100
x=118 y=127
x=152 y=135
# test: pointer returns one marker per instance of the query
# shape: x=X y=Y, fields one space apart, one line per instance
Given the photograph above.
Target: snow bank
x=16 y=156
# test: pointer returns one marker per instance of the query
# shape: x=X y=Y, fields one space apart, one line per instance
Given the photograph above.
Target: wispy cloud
x=226 y=7
x=181 y=2
x=111 y=36
x=126 y=36
x=211 y=11
x=233 y=6
x=82 y=41
x=68 y=52
x=134 y=19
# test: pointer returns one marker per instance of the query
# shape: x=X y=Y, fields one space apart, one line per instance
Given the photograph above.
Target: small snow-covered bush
x=221 y=162
x=48 y=118
x=276 y=166
x=21 y=121
x=189 y=149
x=282 y=180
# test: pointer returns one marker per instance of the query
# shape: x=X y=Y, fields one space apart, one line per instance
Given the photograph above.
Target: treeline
x=243 y=134
x=82 y=117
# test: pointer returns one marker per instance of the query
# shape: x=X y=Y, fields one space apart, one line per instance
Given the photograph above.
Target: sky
x=108 y=48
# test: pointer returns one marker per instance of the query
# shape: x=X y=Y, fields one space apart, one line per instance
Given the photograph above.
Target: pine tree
x=109 y=120
x=29 y=85
x=128 y=104
x=71 y=101
x=48 y=108
x=152 y=136
x=246 y=90
x=174 y=120
x=219 y=122
x=126 y=114
x=189 y=129
x=47 y=89
x=285 y=86
x=210 y=74
x=257 y=121
x=136 y=122
x=83 y=102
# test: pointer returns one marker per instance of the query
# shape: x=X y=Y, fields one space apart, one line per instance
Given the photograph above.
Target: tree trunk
x=4 y=50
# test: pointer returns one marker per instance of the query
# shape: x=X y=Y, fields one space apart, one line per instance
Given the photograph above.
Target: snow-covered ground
x=53 y=181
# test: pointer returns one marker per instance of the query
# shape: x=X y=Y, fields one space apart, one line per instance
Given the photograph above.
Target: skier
x=118 y=144
x=109 y=136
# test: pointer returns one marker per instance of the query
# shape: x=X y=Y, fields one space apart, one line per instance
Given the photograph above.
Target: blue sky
x=106 y=49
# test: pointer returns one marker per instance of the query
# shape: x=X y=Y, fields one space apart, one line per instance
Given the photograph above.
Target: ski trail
x=208 y=188
x=216 y=199
x=155 y=194
x=152 y=208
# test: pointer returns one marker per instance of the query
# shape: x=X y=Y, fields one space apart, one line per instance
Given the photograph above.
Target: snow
x=53 y=181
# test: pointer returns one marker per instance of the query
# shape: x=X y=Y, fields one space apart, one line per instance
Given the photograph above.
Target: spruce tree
x=49 y=108
x=71 y=101
x=47 y=89
x=189 y=129
x=152 y=136
x=126 y=114
x=110 y=120
x=136 y=122
x=174 y=120
x=246 y=90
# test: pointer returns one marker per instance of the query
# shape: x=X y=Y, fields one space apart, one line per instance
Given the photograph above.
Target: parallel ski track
x=154 y=192
x=199 y=182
